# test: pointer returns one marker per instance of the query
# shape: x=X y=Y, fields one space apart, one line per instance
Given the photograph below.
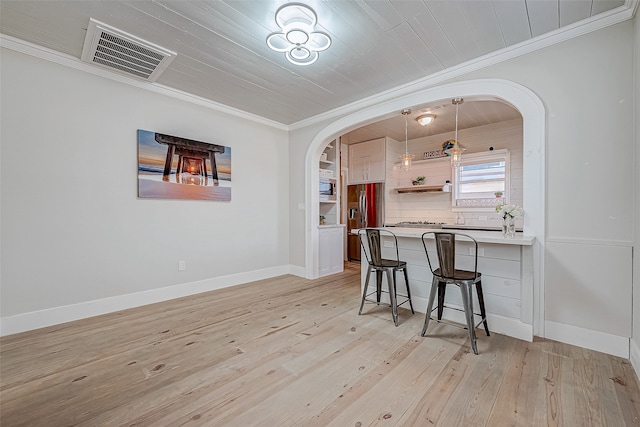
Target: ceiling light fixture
x=426 y=119
x=298 y=40
x=406 y=157
x=453 y=147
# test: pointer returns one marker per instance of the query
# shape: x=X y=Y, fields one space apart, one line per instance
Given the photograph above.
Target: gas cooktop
x=420 y=224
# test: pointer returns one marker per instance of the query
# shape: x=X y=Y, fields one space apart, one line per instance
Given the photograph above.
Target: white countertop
x=480 y=236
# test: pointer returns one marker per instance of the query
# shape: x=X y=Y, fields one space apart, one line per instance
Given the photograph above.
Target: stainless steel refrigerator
x=365 y=208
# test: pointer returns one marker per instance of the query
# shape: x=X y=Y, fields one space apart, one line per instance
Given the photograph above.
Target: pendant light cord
x=406 y=157
x=406 y=135
x=456 y=137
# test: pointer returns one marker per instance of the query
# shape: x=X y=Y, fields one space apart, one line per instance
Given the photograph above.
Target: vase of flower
x=509 y=213
x=509 y=226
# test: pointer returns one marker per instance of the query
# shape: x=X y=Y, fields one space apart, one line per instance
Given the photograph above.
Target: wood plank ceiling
x=377 y=45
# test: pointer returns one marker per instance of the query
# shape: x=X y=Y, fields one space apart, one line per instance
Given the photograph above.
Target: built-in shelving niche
x=328 y=168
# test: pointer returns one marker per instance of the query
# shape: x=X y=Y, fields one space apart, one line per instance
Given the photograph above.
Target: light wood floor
x=294 y=352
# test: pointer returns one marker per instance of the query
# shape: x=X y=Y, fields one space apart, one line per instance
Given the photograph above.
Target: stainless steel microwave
x=328 y=189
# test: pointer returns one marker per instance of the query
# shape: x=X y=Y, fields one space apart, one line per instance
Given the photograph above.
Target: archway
x=533 y=115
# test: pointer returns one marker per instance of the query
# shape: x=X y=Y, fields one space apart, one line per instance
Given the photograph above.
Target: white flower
x=513 y=211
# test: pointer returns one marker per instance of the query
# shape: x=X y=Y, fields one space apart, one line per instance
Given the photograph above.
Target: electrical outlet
x=472 y=251
x=482 y=218
x=388 y=244
x=182 y=265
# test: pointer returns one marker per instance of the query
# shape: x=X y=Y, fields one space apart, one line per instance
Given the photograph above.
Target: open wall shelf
x=420 y=189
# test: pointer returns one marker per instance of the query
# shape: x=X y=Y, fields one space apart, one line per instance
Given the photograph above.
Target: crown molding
x=59 y=58
x=606 y=19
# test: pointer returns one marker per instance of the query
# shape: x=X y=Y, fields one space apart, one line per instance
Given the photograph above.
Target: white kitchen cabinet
x=331 y=244
x=367 y=161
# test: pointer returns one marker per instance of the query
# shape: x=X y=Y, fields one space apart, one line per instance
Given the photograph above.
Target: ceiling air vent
x=118 y=51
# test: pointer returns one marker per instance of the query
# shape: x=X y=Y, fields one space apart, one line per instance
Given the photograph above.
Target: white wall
x=586 y=85
x=77 y=241
x=635 y=342
x=587 y=89
x=300 y=201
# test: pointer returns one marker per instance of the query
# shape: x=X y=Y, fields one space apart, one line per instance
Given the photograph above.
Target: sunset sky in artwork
x=152 y=153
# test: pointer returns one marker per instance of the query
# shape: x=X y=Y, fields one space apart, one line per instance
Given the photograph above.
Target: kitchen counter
x=482 y=236
x=453 y=227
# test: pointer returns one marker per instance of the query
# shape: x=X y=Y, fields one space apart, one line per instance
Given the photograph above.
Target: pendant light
x=406 y=157
x=455 y=149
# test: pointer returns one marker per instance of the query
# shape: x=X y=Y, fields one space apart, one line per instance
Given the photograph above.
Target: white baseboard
x=635 y=357
x=587 y=338
x=298 y=271
x=53 y=316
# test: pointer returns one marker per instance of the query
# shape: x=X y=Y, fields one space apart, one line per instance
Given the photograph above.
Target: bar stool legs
x=392 y=295
x=465 y=289
x=467 y=303
x=391 y=274
x=373 y=253
x=483 y=312
x=364 y=291
x=432 y=297
x=406 y=281
x=442 y=286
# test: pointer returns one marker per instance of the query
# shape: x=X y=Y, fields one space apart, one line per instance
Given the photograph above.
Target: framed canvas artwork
x=171 y=167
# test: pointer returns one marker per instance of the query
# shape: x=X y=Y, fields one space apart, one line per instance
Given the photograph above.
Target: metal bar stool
x=447 y=273
x=373 y=253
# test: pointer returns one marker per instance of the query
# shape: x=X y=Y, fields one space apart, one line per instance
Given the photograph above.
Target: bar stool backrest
x=446 y=250
x=373 y=248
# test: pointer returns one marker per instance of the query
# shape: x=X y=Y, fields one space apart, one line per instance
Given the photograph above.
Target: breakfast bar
x=506 y=264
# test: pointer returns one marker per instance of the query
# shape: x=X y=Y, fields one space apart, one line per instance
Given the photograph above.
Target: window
x=482 y=181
